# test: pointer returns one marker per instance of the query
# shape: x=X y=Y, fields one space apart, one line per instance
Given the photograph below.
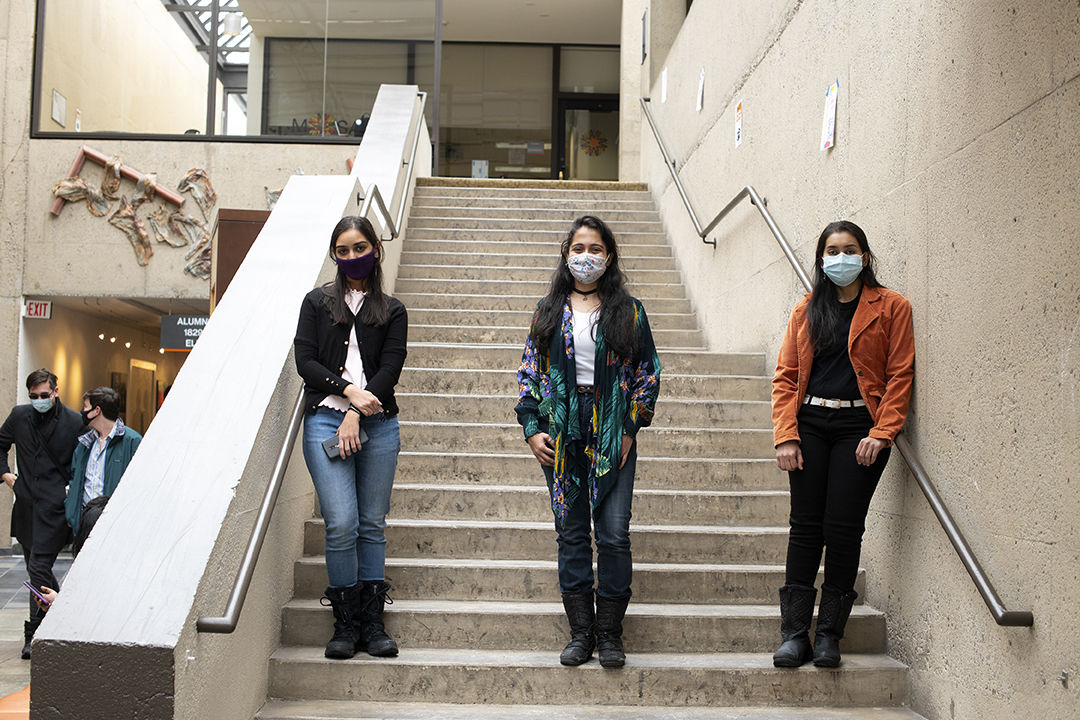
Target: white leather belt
x=830 y=403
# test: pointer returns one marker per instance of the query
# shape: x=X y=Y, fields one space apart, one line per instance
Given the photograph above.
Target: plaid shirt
x=95 y=464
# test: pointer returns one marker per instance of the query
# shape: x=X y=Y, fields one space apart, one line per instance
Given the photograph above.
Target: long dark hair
x=375 y=310
x=823 y=314
x=616 y=319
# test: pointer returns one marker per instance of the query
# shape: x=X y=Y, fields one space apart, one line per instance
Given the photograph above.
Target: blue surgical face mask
x=842 y=269
x=42 y=405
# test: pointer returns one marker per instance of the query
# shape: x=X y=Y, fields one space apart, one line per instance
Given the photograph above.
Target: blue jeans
x=614 y=565
x=354 y=495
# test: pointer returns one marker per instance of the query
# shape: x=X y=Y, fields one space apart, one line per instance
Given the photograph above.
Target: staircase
x=471 y=544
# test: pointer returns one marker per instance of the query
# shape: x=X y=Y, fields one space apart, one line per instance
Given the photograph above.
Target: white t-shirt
x=585 y=346
x=354 y=364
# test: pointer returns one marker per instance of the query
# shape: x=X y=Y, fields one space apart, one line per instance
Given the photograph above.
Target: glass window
x=495 y=108
x=589 y=70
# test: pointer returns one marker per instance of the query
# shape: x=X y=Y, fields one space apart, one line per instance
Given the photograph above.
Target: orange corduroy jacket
x=882 y=351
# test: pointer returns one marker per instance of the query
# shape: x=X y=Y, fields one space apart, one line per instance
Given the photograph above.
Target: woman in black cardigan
x=350 y=347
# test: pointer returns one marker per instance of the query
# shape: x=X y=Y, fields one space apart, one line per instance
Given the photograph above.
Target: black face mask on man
x=86 y=416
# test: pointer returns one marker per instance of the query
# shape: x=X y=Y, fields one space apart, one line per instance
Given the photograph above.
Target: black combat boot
x=29 y=628
x=609 y=617
x=796 y=612
x=582 y=617
x=831 y=620
x=373 y=637
x=346 y=638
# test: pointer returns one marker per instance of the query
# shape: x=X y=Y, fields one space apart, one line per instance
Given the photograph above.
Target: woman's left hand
x=364 y=401
x=348 y=435
x=867 y=452
x=627 y=443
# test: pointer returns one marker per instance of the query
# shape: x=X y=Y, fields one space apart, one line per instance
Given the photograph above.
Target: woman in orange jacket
x=839 y=397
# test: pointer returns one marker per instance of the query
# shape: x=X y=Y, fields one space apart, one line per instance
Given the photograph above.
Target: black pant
x=830 y=496
x=39 y=566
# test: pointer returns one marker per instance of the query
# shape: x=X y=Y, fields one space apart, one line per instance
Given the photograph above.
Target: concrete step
x=573 y=205
x=526 y=247
x=513 y=221
x=517 y=302
x=542 y=626
x=652 y=441
x=495 y=236
x=348 y=710
x=498 y=540
x=516 y=580
x=522 y=318
x=521 y=468
x=523 y=677
x=644 y=213
x=532 y=288
x=521 y=274
x=673 y=362
x=416 y=501
x=545 y=261
x=504 y=382
x=585 y=199
x=507 y=335
x=670 y=412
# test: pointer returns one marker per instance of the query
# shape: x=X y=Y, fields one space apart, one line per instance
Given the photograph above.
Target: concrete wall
x=957 y=148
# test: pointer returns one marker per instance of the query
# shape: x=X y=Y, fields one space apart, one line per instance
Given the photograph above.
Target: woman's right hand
x=789 y=455
x=542 y=448
x=349 y=435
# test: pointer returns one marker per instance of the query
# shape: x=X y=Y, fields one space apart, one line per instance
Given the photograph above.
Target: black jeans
x=830 y=496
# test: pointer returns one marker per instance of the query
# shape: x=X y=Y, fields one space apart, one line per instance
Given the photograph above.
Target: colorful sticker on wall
x=594 y=143
x=738 y=124
x=828 y=123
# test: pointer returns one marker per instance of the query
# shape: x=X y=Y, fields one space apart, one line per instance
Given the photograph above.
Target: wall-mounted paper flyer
x=738 y=124
x=828 y=124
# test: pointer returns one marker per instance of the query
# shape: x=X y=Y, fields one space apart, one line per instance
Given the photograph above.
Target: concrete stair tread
x=346 y=710
x=532 y=607
x=446 y=563
x=478 y=659
x=711 y=460
x=737 y=530
x=637 y=491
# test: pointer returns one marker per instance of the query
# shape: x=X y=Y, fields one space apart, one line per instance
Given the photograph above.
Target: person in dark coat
x=45 y=434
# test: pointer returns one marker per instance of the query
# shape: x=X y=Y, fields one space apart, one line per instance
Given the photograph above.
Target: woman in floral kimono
x=589 y=379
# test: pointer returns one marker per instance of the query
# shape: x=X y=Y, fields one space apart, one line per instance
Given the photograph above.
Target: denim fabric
x=614 y=565
x=830 y=496
x=354 y=494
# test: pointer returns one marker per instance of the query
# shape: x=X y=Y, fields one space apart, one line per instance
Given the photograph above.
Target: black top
x=320 y=348
x=37 y=519
x=832 y=375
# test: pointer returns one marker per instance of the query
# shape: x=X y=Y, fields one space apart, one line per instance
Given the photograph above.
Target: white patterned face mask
x=586 y=267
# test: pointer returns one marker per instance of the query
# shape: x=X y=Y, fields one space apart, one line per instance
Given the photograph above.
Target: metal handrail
x=1002 y=616
x=227 y=622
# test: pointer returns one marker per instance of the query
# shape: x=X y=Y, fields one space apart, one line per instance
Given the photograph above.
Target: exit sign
x=40 y=309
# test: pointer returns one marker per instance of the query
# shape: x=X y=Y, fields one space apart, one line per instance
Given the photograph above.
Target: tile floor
x=14 y=609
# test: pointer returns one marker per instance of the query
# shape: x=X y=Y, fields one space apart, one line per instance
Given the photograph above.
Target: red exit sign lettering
x=38 y=309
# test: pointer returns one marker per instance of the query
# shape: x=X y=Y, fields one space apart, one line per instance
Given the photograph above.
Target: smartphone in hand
x=331 y=447
x=36 y=592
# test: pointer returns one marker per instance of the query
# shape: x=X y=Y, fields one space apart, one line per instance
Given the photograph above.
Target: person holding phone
x=840 y=395
x=350 y=347
x=589 y=379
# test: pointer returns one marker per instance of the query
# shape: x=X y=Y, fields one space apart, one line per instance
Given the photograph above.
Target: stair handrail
x=227 y=623
x=371 y=192
x=1002 y=616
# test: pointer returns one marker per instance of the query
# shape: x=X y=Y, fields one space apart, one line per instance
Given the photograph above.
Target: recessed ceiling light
x=101 y=336
x=127 y=344
x=112 y=339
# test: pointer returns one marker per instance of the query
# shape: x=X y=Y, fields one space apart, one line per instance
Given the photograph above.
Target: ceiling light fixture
x=112 y=339
x=231 y=24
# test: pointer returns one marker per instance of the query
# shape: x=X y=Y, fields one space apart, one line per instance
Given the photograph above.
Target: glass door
x=588 y=139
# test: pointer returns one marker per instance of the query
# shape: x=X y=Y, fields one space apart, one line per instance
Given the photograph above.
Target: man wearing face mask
x=45 y=434
x=101 y=457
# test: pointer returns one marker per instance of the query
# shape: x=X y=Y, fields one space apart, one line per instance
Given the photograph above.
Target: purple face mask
x=357 y=268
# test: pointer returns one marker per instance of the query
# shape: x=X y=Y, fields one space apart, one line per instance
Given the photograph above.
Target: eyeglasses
x=44 y=396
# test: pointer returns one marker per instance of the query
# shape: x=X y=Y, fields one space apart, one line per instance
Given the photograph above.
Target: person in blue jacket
x=101 y=457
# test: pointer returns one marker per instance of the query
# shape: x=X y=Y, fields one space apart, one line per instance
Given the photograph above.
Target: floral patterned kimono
x=626 y=391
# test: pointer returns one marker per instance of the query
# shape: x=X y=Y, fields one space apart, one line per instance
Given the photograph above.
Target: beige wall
x=126 y=64
x=958 y=143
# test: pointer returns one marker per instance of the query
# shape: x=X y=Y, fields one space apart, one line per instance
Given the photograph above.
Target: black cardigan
x=320 y=348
